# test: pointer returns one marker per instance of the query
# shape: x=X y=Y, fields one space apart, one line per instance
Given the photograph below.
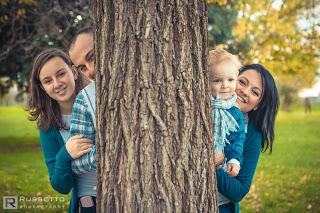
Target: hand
x=233 y=169
x=218 y=159
x=78 y=146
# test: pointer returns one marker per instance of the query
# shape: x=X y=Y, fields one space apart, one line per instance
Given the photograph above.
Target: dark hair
x=265 y=115
x=42 y=108
x=86 y=30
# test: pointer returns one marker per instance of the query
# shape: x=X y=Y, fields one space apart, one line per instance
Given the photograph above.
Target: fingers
x=229 y=168
x=84 y=140
x=232 y=174
x=218 y=158
x=76 y=137
x=85 y=147
x=233 y=169
x=84 y=151
x=80 y=139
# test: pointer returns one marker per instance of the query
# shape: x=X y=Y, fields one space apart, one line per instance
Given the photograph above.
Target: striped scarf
x=223 y=121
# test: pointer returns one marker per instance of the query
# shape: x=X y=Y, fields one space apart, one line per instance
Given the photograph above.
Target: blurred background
x=281 y=35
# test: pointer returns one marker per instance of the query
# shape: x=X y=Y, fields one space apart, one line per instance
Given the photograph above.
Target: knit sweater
x=235 y=188
x=58 y=162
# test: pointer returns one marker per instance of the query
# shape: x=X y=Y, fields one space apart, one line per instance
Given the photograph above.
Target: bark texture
x=153 y=107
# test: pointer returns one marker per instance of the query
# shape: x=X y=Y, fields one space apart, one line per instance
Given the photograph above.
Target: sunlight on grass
x=288 y=179
x=16 y=132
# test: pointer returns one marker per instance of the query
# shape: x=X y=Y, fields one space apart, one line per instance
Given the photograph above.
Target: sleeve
x=58 y=162
x=235 y=188
x=82 y=124
x=234 y=150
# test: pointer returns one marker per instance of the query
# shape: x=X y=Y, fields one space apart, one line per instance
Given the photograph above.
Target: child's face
x=223 y=80
x=58 y=80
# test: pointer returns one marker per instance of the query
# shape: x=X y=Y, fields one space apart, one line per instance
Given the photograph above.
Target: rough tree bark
x=153 y=107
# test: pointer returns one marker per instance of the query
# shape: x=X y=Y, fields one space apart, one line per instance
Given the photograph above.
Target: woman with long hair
x=55 y=82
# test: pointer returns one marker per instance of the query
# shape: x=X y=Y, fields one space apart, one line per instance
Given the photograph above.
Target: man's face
x=82 y=54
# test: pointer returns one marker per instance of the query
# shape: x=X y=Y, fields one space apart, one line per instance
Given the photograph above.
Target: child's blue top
x=235 y=148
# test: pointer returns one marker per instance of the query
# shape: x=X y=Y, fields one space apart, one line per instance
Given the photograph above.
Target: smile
x=61 y=91
x=241 y=99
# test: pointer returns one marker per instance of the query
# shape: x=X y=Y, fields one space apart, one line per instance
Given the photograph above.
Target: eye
x=82 y=68
x=90 y=56
x=242 y=82
x=230 y=79
x=255 y=93
x=46 y=81
x=216 y=81
x=61 y=73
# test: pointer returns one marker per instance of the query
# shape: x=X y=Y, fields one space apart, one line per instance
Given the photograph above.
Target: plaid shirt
x=82 y=124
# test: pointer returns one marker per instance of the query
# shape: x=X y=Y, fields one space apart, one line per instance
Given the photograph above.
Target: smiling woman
x=54 y=85
x=58 y=81
x=249 y=90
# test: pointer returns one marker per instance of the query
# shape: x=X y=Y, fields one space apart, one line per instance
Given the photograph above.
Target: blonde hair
x=219 y=55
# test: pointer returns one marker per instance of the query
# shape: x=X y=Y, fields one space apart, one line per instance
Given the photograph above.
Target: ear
x=75 y=72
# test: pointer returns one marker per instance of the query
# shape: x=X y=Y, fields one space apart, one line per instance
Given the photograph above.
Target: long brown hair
x=42 y=108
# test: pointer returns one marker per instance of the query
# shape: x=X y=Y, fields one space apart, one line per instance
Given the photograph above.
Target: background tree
x=221 y=20
x=28 y=27
x=153 y=107
x=283 y=36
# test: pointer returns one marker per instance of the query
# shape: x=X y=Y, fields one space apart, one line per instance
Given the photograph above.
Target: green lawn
x=286 y=181
x=23 y=172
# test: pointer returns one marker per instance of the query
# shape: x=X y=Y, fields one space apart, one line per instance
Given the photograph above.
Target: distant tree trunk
x=153 y=107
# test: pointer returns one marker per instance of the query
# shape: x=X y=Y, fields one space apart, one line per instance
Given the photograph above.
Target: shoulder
x=50 y=132
x=50 y=136
x=89 y=89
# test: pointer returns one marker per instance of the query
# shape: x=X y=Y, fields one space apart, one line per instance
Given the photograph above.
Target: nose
x=56 y=83
x=224 y=84
x=245 y=91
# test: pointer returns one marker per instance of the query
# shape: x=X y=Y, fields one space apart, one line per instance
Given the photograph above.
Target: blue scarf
x=223 y=122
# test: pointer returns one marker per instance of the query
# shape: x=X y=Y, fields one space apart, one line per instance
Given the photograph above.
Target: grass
x=23 y=172
x=16 y=132
x=286 y=181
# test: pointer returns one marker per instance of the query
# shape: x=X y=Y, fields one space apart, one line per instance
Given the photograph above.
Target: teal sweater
x=58 y=162
x=235 y=188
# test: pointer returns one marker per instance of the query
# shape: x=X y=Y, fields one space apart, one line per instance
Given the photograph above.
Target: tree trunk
x=153 y=107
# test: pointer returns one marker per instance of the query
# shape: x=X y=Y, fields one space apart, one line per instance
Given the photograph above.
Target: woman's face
x=58 y=80
x=249 y=90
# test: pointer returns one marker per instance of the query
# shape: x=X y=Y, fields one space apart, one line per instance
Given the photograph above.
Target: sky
x=311 y=92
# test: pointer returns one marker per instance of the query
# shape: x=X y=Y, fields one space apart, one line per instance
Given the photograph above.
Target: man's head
x=81 y=51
